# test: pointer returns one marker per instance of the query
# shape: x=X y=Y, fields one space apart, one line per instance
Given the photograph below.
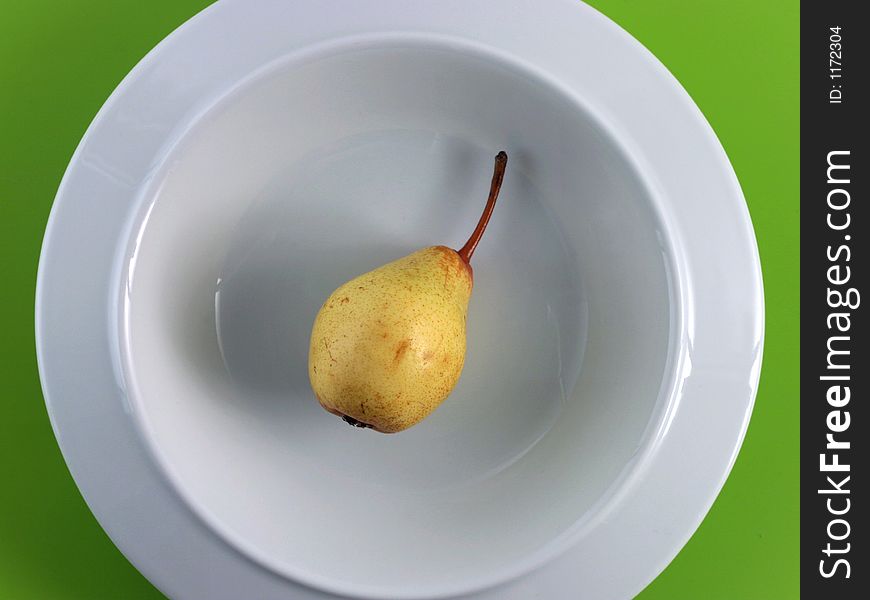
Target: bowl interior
x=319 y=169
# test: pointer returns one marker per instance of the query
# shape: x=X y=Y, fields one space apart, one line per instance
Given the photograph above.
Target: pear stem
x=497 y=177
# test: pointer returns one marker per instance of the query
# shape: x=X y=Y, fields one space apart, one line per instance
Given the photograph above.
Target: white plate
x=266 y=152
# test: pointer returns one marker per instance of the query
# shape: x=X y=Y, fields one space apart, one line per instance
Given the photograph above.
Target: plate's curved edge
x=704 y=125
x=39 y=290
x=758 y=283
x=51 y=222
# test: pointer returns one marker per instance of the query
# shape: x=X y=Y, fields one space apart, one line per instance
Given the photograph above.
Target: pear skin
x=388 y=347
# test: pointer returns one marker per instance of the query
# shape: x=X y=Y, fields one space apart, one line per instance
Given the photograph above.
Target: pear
x=388 y=347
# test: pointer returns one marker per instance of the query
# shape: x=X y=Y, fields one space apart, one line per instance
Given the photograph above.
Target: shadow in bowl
x=265 y=307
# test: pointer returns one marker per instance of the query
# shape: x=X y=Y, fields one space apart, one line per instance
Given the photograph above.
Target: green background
x=60 y=59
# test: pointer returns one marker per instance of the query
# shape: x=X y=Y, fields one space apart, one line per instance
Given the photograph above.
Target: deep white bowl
x=614 y=330
x=276 y=197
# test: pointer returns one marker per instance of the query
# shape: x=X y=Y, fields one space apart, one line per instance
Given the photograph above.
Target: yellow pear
x=388 y=347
